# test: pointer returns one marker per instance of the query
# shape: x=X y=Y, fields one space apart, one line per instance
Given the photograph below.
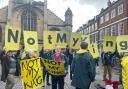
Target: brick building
x=112 y=21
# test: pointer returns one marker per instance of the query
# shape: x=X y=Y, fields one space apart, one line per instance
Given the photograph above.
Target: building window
x=107 y=31
x=0 y=35
x=96 y=37
x=101 y=20
x=107 y=17
x=93 y=28
x=113 y=13
x=87 y=30
x=96 y=26
x=113 y=30
x=120 y=9
x=121 y=28
x=101 y=34
x=93 y=38
x=28 y=20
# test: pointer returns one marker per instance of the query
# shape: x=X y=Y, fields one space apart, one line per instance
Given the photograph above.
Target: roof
x=68 y=12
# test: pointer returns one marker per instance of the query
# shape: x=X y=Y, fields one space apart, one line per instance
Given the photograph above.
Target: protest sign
x=93 y=48
x=53 y=67
x=86 y=38
x=12 y=38
x=31 y=73
x=75 y=40
x=122 y=43
x=61 y=39
x=49 y=39
x=109 y=43
x=30 y=40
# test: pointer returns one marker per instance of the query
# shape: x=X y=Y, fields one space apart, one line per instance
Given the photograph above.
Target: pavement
x=99 y=74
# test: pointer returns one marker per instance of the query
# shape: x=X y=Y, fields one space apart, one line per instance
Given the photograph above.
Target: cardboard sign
x=93 y=48
x=31 y=73
x=86 y=38
x=53 y=67
x=53 y=38
x=109 y=43
x=75 y=40
x=49 y=39
x=122 y=43
x=12 y=38
x=30 y=40
x=61 y=39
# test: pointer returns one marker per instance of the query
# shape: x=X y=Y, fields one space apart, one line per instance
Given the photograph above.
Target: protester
x=107 y=63
x=70 y=61
x=8 y=64
x=45 y=55
x=21 y=54
x=82 y=68
x=124 y=63
x=59 y=80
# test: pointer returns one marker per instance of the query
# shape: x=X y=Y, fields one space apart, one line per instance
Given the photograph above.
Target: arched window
x=28 y=20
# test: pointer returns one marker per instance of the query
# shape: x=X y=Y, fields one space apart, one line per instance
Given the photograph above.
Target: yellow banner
x=124 y=64
x=30 y=40
x=109 y=43
x=49 y=39
x=86 y=38
x=75 y=40
x=93 y=48
x=12 y=38
x=122 y=43
x=62 y=38
x=31 y=73
x=53 y=67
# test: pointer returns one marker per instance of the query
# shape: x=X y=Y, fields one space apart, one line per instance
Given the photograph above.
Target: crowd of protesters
x=81 y=65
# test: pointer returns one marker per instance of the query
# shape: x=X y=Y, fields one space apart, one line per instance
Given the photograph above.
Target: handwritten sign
x=31 y=73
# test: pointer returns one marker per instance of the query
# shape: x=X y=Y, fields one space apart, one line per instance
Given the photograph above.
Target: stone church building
x=32 y=16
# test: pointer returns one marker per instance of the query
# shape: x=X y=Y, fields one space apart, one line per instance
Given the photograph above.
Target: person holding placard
x=59 y=80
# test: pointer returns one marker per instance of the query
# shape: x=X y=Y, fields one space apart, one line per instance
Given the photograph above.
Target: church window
x=28 y=20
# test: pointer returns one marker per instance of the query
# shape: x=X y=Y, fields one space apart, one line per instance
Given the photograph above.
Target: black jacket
x=5 y=67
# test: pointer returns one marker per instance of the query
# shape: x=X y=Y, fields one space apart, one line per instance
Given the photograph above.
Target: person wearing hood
x=82 y=68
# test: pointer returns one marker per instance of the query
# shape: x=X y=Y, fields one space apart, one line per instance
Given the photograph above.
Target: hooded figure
x=82 y=68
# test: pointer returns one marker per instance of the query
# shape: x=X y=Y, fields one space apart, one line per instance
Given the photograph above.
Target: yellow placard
x=31 y=73
x=93 y=49
x=53 y=67
x=30 y=40
x=122 y=43
x=86 y=38
x=12 y=38
x=49 y=39
x=62 y=38
x=75 y=40
x=124 y=63
x=109 y=43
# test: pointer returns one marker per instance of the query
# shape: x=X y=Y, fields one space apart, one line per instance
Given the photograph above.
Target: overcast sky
x=83 y=10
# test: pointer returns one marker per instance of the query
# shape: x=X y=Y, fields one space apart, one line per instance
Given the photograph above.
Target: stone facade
x=18 y=10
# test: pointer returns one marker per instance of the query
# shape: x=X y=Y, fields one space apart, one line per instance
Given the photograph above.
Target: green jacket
x=83 y=68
